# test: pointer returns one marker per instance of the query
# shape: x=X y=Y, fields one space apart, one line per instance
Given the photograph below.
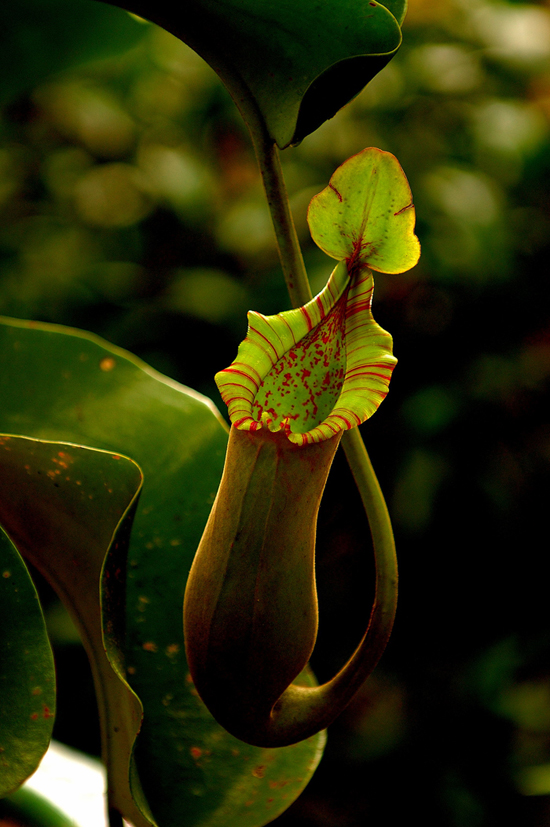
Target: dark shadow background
x=130 y=205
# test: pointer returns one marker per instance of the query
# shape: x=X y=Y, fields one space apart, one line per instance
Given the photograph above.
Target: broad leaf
x=62 y=505
x=366 y=213
x=294 y=64
x=62 y=384
x=27 y=677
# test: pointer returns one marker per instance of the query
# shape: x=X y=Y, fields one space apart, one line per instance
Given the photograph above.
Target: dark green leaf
x=57 y=383
x=62 y=504
x=27 y=677
x=295 y=64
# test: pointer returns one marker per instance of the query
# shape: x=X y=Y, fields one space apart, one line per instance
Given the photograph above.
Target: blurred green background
x=130 y=205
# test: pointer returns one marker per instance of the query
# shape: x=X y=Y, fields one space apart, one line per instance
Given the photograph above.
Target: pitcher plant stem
x=290 y=253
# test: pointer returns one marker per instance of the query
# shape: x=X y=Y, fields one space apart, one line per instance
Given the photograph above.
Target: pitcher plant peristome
x=314 y=371
x=301 y=378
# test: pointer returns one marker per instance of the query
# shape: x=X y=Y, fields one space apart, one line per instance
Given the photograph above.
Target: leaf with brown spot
x=179 y=441
x=63 y=505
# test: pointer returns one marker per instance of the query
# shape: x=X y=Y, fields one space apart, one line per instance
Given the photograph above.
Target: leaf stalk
x=290 y=253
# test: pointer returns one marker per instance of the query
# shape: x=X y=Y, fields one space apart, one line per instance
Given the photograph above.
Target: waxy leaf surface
x=62 y=505
x=27 y=677
x=61 y=384
x=295 y=64
x=366 y=214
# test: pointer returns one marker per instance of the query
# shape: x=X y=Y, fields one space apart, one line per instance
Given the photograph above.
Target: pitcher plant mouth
x=315 y=371
x=325 y=367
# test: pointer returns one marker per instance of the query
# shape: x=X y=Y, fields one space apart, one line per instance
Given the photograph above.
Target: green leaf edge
x=44 y=734
x=121 y=540
x=131 y=781
x=341 y=219
x=115 y=350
